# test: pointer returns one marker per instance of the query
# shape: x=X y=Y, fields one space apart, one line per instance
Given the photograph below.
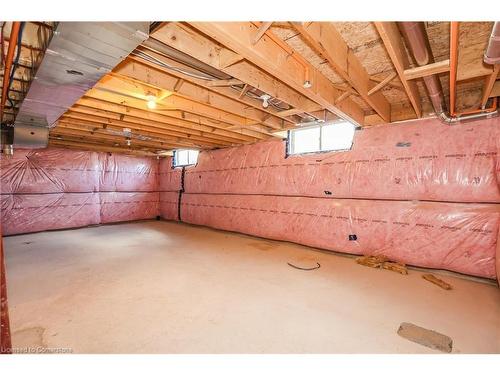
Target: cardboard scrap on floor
x=379 y=261
x=425 y=337
x=433 y=279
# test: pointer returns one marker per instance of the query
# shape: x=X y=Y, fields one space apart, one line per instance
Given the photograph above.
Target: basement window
x=329 y=136
x=183 y=158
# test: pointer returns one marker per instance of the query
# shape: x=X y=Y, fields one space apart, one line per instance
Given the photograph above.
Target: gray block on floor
x=425 y=337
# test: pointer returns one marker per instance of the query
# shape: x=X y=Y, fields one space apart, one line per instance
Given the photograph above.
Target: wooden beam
x=261 y=31
x=290 y=112
x=328 y=42
x=95 y=123
x=183 y=38
x=78 y=145
x=342 y=97
x=83 y=115
x=274 y=57
x=228 y=92
x=124 y=86
x=178 y=84
x=489 y=84
x=427 y=70
x=383 y=83
x=103 y=135
x=395 y=85
x=495 y=91
x=131 y=109
x=244 y=90
x=224 y=82
x=160 y=79
x=393 y=43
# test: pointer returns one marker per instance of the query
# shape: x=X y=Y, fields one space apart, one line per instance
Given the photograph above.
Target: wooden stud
x=342 y=97
x=224 y=82
x=271 y=56
x=328 y=42
x=225 y=91
x=383 y=83
x=187 y=40
x=261 y=31
x=141 y=75
x=427 y=70
x=178 y=84
x=243 y=90
x=395 y=85
x=489 y=84
x=393 y=43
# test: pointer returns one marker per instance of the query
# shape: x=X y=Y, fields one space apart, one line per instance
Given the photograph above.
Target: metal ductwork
x=492 y=55
x=417 y=42
x=78 y=55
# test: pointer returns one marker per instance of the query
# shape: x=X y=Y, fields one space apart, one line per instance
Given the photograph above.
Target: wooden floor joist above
x=206 y=85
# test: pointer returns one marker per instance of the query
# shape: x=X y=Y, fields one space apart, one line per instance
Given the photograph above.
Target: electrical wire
x=16 y=62
x=152 y=59
x=145 y=56
x=305 y=269
x=2 y=53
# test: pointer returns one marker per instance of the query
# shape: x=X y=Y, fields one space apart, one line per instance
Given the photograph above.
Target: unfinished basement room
x=250 y=187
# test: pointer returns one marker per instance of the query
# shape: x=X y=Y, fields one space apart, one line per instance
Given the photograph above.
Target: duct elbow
x=492 y=54
x=448 y=120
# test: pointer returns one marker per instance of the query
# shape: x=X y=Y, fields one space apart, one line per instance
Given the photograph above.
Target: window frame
x=290 y=138
x=174 y=158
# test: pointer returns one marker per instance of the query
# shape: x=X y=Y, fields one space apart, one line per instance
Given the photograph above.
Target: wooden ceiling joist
x=78 y=145
x=264 y=26
x=427 y=70
x=391 y=83
x=165 y=81
x=393 y=43
x=271 y=56
x=185 y=39
x=229 y=92
x=125 y=86
x=128 y=104
x=383 y=83
x=225 y=82
x=101 y=134
x=134 y=108
x=84 y=117
x=83 y=121
x=324 y=38
x=489 y=84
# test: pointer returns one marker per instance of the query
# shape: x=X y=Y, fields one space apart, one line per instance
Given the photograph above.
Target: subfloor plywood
x=164 y=287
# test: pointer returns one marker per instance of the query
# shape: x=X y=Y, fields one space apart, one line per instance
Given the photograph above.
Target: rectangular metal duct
x=78 y=55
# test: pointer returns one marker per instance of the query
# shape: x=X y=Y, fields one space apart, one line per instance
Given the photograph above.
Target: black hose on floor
x=305 y=269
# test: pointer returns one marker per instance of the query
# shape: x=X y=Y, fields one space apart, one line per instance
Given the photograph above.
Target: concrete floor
x=162 y=287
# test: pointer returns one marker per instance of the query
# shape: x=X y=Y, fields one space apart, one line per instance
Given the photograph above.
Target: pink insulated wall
x=58 y=188
x=420 y=192
x=422 y=160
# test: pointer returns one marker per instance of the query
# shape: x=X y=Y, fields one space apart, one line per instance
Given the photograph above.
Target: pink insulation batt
x=457 y=237
x=169 y=202
x=422 y=160
x=37 y=212
x=50 y=170
x=128 y=206
x=58 y=188
x=127 y=173
x=169 y=178
x=418 y=192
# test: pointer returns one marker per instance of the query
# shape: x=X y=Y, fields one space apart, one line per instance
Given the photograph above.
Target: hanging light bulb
x=265 y=100
x=151 y=101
